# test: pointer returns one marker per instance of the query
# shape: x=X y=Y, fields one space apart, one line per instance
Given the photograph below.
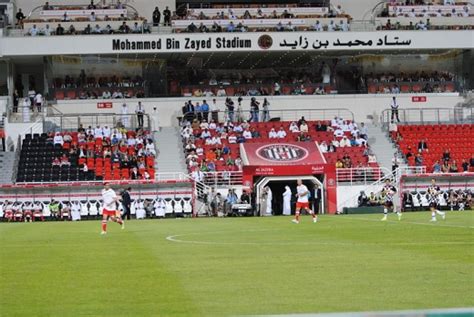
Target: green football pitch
x=237 y=266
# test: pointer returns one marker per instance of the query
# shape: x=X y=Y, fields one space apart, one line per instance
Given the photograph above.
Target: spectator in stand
x=124 y=28
x=47 y=6
x=167 y=17
x=146 y=27
x=156 y=17
x=422 y=146
x=294 y=127
x=135 y=175
x=445 y=167
x=97 y=29
x=34 y=31
x=465 y=166
x=56 y=161
x=323 y=147
x=72 y=30
x=91 y=6
x=446 y=155
x=436 y=167
x=317 y=26
x=58 y=139
x=281 y=134
x=303 y=126
x=136 y=28
x=65 y=160
x=418 y=160
x=272 y=134
x=87 y=30
x=453 y=168
x=59 y=30
x=19 y=18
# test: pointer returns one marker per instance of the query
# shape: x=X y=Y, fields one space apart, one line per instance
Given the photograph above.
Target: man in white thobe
x=125 y=117
x=268 y=210
x=26 y=109
x=287 y=201
x=155 y=120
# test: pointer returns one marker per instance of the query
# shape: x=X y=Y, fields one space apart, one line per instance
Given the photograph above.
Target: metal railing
x=240 y=115
x=225 y=178
x=70 y=122
x=458 y=115
x=376 y=186
x=360 y=176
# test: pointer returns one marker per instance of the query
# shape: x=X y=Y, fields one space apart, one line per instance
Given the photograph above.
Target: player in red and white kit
x=302 y=202
x=109 y=208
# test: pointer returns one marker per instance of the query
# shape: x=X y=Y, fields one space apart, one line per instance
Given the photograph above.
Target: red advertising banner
x=104 y=105
x=418 y=98
x=282 y=154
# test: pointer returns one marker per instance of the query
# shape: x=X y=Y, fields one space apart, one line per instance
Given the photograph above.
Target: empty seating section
x=87 y=160
x=458 y=140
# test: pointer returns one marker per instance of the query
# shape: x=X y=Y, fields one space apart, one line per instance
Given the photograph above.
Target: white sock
x=433 y=214
x=385 y=212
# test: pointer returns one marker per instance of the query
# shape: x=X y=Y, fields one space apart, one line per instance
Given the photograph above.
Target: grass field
x=238 y=266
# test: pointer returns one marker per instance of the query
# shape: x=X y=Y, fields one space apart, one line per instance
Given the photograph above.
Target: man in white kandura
x=302 y=193
x=125 y=118
x=287 y=201
x=268 y=211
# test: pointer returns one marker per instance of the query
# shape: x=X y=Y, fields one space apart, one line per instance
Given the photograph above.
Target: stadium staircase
x=382 y=147
x=7 y=162
x=170 y=155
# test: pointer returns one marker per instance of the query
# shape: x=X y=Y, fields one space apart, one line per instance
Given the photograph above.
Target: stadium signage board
x=233 y=42
x=104 y=105
x=418 y=99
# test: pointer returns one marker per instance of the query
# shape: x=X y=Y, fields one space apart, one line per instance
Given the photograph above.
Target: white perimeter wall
x=360 y=105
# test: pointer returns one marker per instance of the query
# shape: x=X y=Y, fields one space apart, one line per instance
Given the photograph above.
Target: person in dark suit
x=126 y=203
x=422 y=146
x=135 y=174
x=317 y=199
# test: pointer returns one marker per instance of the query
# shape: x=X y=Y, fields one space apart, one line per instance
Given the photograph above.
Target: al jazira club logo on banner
x=282 y=153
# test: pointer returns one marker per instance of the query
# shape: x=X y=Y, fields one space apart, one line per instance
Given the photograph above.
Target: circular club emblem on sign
x=265 y=41
x=282 y=153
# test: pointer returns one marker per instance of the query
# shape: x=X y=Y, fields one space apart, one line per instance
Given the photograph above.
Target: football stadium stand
x=92 y=154
x=442 y=148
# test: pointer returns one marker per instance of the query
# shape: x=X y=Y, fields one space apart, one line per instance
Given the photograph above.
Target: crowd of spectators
x=124 y=28
x=332 y=26
x=207 y=141
x=420 y=76
x=129 y=153
x=103 y=87
x=390 y=83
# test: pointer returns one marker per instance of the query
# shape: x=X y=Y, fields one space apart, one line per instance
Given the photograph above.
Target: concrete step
x=382 y=147
x=169 y=146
